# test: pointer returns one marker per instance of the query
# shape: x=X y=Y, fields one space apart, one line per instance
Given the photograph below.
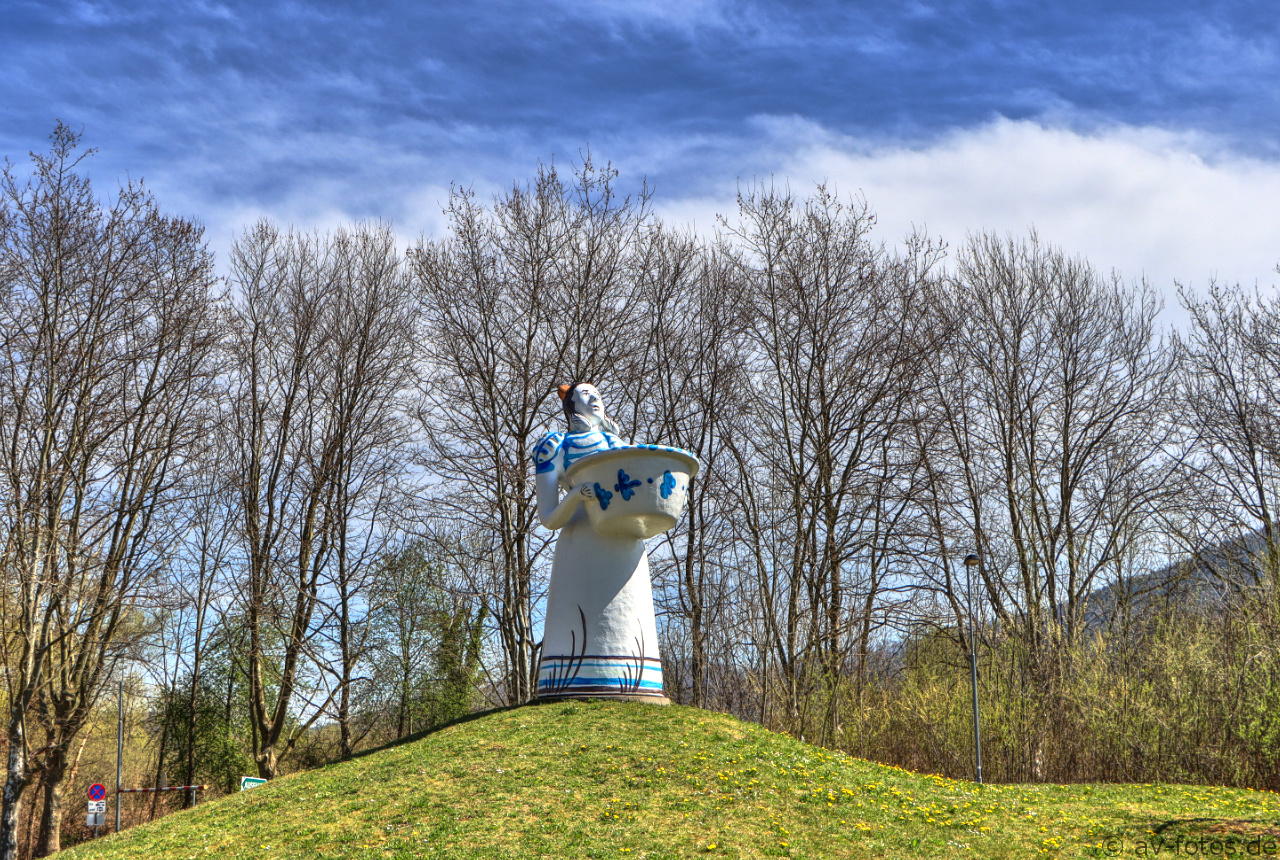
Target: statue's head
x=584 y=408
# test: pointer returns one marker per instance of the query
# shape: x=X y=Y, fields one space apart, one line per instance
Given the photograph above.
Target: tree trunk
x=344 y=631
x=693 y=589
x=50 y=838
x=267 y=762
x=161 y=779
x=404 y=704
x=344 y=716
x=30 y=831
x=189 y=797
x=14 y=785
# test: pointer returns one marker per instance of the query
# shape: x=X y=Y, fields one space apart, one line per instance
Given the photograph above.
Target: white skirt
x=600 y=639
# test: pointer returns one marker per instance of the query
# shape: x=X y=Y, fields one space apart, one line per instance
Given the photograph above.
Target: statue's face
x=588 y=403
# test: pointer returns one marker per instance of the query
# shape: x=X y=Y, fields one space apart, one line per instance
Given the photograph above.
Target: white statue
x=600 y=639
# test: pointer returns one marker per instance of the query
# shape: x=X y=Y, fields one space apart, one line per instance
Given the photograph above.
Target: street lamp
x=971 y=563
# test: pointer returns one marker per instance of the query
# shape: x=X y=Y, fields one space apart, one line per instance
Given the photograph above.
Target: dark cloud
x=253 y=102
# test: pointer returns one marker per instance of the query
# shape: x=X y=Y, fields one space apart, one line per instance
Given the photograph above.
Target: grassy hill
x=623 y=780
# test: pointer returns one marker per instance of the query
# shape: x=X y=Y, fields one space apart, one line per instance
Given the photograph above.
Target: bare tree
x=1059 y=411
x=109 y=329
x=682 y=388
x=836 y=336
x=372 y=321
x=1048 y=449
x=532 y=291
x=197 y=590
x=1230 y=397
x=321 y=333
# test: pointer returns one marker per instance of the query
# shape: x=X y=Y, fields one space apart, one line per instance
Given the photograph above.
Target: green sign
x=248 y=782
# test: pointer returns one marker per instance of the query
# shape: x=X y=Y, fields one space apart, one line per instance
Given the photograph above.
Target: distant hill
x=1205 y=579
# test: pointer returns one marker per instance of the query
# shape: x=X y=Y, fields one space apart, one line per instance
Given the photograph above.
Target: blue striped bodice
x=559 y=450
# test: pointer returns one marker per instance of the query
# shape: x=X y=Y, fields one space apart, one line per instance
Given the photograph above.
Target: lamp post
x=971 y=562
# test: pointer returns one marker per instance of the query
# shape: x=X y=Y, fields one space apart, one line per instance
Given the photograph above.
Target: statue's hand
x=587 y=491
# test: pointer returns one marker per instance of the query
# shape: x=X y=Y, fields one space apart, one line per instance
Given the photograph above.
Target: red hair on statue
x=566 y=401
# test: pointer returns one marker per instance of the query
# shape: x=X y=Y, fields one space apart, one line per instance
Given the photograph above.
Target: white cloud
x=1141 y=200
x=1170 y=206
x=684 y=13
x=686 y=17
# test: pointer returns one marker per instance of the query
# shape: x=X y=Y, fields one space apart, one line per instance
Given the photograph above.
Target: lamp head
x=970 y=560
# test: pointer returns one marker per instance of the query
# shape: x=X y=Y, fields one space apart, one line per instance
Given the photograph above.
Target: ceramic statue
x=600 y=639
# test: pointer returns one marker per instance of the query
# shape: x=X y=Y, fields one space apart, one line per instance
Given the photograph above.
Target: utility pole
x=971 y=561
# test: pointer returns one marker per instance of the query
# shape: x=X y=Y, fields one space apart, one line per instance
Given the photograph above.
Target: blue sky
x=1144 y=135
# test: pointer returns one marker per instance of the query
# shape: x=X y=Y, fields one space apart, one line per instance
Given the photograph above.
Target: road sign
x=97 y=791
x=95 y=819
x=97 y=806
x=248 y=782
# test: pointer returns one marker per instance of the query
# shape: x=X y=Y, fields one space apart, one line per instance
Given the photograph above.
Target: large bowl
x=638 y=491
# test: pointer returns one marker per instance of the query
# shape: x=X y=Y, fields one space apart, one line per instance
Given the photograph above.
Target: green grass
x=623 y=780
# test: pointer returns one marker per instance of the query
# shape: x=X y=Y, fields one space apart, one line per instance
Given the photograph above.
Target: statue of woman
x=600 y=639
